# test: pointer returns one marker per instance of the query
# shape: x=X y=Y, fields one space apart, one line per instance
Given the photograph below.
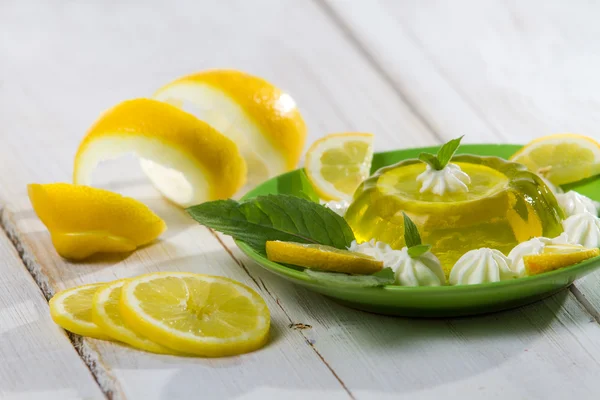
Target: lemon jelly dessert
x=505 y=204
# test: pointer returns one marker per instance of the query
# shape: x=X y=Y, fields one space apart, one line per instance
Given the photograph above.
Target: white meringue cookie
x=481 y=266
x=583 y=229
x=424 y=270
x=450 y=179
x=373 y=248
x=574 y=203
x=532 y=246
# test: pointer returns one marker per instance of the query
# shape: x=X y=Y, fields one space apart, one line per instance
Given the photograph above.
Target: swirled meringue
x=574 y=203
x=481 y=266
x=532 y=246
x=450 y=179
x=583 y=229
x=424 y=270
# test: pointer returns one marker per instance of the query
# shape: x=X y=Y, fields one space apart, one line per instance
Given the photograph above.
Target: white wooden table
x=413 y=72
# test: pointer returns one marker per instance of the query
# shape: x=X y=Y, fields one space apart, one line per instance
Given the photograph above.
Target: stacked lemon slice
x=168 y=313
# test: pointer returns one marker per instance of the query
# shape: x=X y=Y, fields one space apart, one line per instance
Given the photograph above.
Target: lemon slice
x=338 y=163
x=83 y=220
x=557 y=256
x=562 y=159
x=188 y=161
x=263 y=120
x=106 y=314
x=196 y=314
x=72 y=310
x=326 y=258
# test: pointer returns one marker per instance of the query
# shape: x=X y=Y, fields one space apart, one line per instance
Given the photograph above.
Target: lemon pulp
x=504 y=206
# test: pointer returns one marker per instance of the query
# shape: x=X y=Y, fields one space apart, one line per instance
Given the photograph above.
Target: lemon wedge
x=557 y=256
x=263 y=120
x=83 y=220
x=72 y=310
x=187 y=160
x=326 y=258
x=106 y=314
x=196 y=314
x=338 y=163
x=562 y=158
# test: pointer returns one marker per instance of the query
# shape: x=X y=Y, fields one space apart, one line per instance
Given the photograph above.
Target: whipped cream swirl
x=574 y=203
x=583 y=229
x=450 y=179
x=481 y=266
x=532 y=246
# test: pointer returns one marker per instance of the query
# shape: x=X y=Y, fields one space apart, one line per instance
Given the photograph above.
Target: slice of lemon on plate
x=186 y=159
x=263 y=120
x=562 y=158
x=106 y=314
x=321 y=257
x=557 y=256
x=72 y=310
x=338 y=163
x=83 y=220
x=196 y=314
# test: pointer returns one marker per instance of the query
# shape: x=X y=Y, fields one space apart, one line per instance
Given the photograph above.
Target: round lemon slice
x=318 y=256
x=106 y=314
x=557 y=256
x=72 y=310
x=83 y=220
x=187 y=160
x=338 y=163
x=263 y=120
x=562 y=158
x=196 y=314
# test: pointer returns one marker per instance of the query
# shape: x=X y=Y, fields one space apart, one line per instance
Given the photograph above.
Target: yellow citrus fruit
x=83 y=220
x=557 y=256
x=263 y=120
x=106 y=314
x=196 y=314
x=72 y=310
x=326 y=258
x=562 y=158
x=187 y=160
x=338 y=163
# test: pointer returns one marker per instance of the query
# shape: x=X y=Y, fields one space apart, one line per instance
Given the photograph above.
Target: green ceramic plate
x=443 y=301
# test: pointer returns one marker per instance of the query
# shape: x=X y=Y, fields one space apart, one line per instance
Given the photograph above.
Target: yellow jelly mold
x=505 y=205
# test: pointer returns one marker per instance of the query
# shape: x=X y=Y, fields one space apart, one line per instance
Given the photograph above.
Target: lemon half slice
x=263 y=120
x=106 y=314
x=196 y=314
x=72 y=310
x=557 y=256
x=338 y=163
x=318 y=256
x=83 y=220
x=187 y=160
x=562 y=158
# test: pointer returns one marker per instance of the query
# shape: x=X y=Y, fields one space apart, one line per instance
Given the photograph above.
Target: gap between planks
x=85 y=348
x=291 y=321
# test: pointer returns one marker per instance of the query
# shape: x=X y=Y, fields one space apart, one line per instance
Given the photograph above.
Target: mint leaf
x=383 y=277
x=431 y=160
x=418 y=250
x=274 y=217
x=411 y=233
x=446 y=152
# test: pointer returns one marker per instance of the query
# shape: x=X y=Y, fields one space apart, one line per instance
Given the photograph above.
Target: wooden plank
x=95 y=56
x=38 y=359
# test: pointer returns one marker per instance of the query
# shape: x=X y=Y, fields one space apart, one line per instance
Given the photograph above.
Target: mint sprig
x=384 y=277
x=274 y=217
x=443 y=156
x=412 y=238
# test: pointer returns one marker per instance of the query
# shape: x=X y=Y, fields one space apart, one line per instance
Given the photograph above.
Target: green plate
x=445 y=301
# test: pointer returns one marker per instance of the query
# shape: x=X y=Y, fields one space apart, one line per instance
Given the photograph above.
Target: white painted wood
x=510 y=70
x=94 y=55
x=37 y=358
